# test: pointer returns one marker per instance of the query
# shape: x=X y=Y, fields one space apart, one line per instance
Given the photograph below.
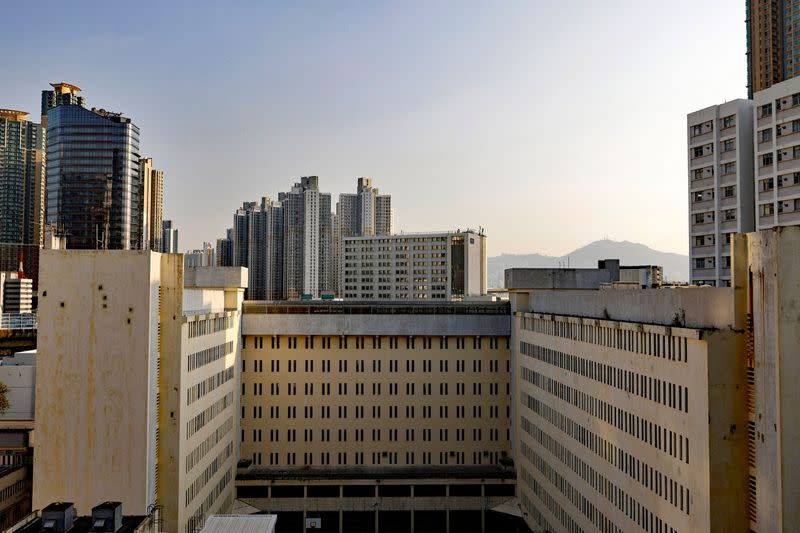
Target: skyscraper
x=362 y=214
x=265 y=251
x=152 y=204
x=93 y=186
x=773 y=52
x=307 y=240
x=21 y=187
x=169 y=238
x=225 y=249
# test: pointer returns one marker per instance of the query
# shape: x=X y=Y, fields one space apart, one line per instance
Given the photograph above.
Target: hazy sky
x=549 y=123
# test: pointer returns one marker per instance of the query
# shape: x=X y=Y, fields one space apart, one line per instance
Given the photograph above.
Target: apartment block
x=773 y=51
x=414 y=266
x=379 y=413
x=169 y=238
x=777 y=154
x=138 y=384
x=365 y=213
x=22 y=182
x=720 y=157
x=630 y=410
x=151 y=204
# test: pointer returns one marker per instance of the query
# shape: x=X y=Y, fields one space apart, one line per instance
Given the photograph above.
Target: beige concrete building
x=346 y=407
x=414 y=266
x=663 y=410
x=720 y=162
x=152 y=183
x=771 y=278
x=630 y=410
x=137 y=384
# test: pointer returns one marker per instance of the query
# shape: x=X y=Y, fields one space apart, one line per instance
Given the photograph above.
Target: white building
x=418 y=266
x=720 y=159
x=16 y=293
x=777 y=148
x=138 y=384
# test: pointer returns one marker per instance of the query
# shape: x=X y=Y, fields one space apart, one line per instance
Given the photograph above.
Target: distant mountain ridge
x=676 y=266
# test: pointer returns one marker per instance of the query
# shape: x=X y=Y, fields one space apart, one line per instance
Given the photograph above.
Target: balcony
x=731 y=201
x=728 y=179
x=704 y=250
x=701 y=139
x=789 y=164
x=787 y=137
x=702 y=184
x=792 y=217
x=789 y=190
x=704 y=227
x=764 y=121
x=702 y=160
x=703 y=206
x=729 y=225
x=769 y=194
x=766 y=221
x=765 y=145
x=789 y=111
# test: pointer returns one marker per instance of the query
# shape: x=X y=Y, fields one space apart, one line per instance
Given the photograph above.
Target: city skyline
x=473 y=97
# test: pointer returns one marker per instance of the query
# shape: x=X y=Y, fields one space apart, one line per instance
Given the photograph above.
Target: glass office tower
x=93 y=182
x=21 y=191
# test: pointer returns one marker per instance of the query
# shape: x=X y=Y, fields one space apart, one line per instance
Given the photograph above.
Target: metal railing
x=18 y=321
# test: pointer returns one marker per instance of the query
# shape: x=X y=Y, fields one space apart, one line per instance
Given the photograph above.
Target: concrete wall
x=556 y=278
x=93 y=380
x=21 y=383
x=689 y=307
x=774 y=284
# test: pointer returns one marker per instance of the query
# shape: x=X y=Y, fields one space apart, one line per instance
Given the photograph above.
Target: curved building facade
x=93 y=186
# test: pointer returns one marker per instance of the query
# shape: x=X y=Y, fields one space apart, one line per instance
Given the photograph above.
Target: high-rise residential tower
x=152 y=202
x=308 y=265
x=93 y=186
x=265 y=251
x=773 y=51
x=720 y=158
x=21 y=191
x=225 y=249
x=362 y=214
x=169 y=238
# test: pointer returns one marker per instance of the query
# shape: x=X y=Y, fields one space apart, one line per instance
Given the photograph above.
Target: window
x=698 y=151
x=730 y=214
x=697 y=130
x=765 y=135
x=767 y=184
x=765 y=111
x=726 y=263
x=766 y=210
x=766 y=159
x=700 y=262
x=730 y=191
x=728 y=145
x=729 y=121
x=728 y=168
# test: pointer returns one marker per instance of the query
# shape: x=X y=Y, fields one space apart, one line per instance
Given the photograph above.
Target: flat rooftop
x=371 y=318
x=371 y=307
x=84 y=525
x=427 y=472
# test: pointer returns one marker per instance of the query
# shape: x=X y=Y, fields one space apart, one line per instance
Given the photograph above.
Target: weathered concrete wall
x=690 y=307
x=775 y=287
x=556 y=278
x=305 y=324
x=215 y=277
x=93 y=378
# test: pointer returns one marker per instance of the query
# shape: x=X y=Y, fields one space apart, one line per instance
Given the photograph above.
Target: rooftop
x=84 y=525
x=264 y=523
x=13 y=114
x=371 y=307
x=64 y=87
x=437 y=472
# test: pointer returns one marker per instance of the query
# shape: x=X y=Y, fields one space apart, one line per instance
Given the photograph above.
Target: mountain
x=676 y=266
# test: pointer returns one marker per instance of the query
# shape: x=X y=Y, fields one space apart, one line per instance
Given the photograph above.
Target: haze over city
x=520 y=117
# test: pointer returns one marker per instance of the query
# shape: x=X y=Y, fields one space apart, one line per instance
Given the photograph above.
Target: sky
x=551 y=124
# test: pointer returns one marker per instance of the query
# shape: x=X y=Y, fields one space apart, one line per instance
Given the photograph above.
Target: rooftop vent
x=107 y=517
x=58 y=517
